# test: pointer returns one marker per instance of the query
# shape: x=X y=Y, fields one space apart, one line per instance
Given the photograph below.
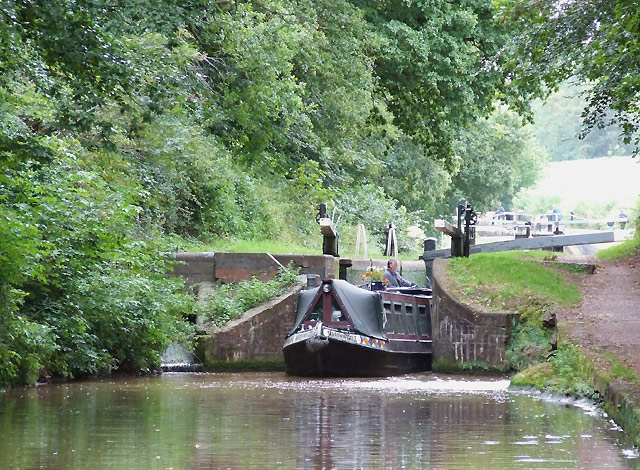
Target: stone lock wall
x=461 y=334
x=196 y=268
x=257 y=335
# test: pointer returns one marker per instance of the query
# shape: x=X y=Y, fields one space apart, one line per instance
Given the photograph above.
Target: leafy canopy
x=596 y=41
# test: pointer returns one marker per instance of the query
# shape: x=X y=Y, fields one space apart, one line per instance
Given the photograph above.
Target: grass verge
x=563 y=374
x=277 y=247
x=626 y=249
x=512 y=281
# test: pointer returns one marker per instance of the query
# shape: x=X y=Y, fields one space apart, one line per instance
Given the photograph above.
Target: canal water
x=272 y=421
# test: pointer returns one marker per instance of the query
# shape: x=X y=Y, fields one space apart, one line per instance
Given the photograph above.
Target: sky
x=593 y=181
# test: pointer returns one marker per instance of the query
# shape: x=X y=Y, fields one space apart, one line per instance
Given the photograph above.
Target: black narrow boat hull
x=332 y=356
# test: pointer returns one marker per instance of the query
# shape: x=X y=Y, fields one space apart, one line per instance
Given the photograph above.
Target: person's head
x=392 y=264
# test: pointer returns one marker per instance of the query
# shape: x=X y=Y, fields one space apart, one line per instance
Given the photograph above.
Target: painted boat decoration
x=344 y=331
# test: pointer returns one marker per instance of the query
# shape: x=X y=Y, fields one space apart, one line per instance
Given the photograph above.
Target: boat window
x=399 y=320
x=410 y=319
x=390 y=325
x=336 y=312
x=424 y=322
x=316 y=313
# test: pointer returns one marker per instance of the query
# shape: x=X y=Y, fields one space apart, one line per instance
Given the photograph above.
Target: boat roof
x=363 y=307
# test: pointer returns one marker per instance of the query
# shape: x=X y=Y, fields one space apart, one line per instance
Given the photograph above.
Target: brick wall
x=257 y=335
x=460 y=333
x=196 y=268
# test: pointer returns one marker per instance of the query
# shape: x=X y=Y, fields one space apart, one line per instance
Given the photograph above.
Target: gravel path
x=608 y=318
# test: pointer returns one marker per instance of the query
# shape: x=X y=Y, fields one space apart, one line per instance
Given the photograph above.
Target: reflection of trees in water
x=218 y=421
x=360 y=431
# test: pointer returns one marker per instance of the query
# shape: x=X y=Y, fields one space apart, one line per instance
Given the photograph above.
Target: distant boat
x=342 y=330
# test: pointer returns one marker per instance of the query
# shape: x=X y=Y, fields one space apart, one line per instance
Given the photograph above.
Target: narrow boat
x=345 y=331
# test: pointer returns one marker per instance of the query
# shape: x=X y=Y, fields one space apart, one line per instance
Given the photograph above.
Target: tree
x=433 y=66
x=557 y=126
x=596 y=41
x=415 y=181
x=498 y=157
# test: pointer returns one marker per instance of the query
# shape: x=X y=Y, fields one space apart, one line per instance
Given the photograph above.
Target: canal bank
x=600 y=335
x=605 y=327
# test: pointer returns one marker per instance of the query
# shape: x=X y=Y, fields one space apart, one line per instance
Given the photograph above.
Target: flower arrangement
x=375 y=275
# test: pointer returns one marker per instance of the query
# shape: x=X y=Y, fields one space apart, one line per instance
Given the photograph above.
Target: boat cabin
x=393 y=314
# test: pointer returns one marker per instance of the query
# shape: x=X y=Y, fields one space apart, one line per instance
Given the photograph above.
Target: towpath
x=608 y=318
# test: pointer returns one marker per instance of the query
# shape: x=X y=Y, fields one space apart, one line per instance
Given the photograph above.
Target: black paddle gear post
x=465 y=238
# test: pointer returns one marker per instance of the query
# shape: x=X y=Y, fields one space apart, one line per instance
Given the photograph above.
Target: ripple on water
x=429 y=384
x=206 y=420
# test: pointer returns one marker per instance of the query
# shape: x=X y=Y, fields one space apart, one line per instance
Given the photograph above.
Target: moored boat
x=342 y=330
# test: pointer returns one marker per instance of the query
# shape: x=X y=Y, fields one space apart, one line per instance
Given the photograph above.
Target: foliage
x=191 y=185
x=530 y=343
x=416 y=182
x=86 y=298
x=432 y=69
x=618 y=369
x=565 y=373
x=369 y=205
x=568 y=376
x=25 y=346
x=535 y=203
x=557 y=127
x=497 y=158
x=536 y=376
x=229 y=301
x=595 y=41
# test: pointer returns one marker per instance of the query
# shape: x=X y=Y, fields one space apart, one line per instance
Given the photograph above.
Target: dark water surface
x=247 y=421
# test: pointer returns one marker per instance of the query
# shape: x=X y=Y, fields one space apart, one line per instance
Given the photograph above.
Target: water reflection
x=211 y=421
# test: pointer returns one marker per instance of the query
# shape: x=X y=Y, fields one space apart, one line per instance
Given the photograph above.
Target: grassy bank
x=529 y=283
x=312 y=246
x=626 y=249
x=532 y=284
x=513 y=281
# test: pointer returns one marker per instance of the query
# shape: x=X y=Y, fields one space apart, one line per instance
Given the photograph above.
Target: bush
x=564 y=373
x=78 y=296
x=370 y=205
x=25 y=346
x=229 y=301
x=529 y=344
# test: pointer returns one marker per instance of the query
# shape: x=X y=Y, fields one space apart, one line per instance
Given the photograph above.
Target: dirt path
x=608 y=318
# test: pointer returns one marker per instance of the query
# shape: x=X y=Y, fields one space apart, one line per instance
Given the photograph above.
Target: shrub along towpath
x=605 y=325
